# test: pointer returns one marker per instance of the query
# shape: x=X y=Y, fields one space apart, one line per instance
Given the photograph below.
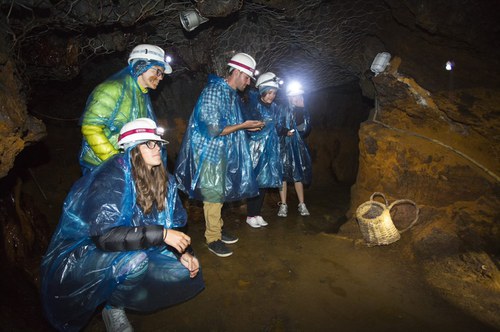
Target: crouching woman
x=117 y=244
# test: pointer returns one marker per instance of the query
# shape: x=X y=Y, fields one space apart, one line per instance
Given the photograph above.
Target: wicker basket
x=375 y=222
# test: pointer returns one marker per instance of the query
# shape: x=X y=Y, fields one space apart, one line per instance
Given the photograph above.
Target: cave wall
x=17 y=127
x=432 y=135
x=426 y=34
x=440 y=150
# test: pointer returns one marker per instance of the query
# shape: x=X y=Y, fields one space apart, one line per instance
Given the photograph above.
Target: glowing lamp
x=294 y=89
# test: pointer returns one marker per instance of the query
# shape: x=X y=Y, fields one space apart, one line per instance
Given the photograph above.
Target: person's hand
x=253 y=125
x=191 y=263
x=176 y=239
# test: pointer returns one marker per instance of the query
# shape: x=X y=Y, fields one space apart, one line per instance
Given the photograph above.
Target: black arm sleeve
x=126 y=238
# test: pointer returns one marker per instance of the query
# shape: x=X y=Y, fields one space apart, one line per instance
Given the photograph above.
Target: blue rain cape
x=77 y=277
x=113 y=103
x=213 y=168
x=264 y=144
x=295 y=157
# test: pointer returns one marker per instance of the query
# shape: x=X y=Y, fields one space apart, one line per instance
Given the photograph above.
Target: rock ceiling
x=302 y=38
x=325 y=43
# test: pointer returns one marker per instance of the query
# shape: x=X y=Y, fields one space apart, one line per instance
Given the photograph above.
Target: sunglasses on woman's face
x=152 y=144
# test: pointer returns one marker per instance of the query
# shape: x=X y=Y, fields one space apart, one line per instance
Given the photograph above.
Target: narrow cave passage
x=272 y=282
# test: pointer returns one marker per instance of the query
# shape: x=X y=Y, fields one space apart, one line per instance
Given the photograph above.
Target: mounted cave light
x=380 y=62
x=450 y=65
x=191 y=19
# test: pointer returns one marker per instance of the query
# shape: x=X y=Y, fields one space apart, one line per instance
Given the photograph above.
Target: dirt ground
x=291 y=276
x=297 y=274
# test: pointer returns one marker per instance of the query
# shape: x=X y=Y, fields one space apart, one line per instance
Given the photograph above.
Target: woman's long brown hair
x=151 y=185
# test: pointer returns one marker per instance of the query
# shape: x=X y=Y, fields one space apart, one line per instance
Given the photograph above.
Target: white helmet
x=294 y=89
x=243 y=62
x=268 y=79
x=140 y=130
x=151 y=52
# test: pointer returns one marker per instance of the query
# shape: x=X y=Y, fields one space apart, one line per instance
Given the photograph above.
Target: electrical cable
x=463 y=155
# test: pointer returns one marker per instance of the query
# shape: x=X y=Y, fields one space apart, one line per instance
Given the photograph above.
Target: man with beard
x=214 y=164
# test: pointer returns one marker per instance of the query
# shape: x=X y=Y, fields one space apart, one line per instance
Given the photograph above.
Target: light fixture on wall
x=191 y=19
x=380 y=62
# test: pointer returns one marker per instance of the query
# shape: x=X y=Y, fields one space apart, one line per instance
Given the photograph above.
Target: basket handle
x=400 y=201
x=379 y=194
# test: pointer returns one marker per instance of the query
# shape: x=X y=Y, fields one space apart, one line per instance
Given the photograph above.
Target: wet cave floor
x=296 y=274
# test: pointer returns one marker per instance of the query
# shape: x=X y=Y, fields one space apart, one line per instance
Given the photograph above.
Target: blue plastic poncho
x=295 y=157
x=77 y=277
x=111 y=105
x=210 y=167
x=264 y=144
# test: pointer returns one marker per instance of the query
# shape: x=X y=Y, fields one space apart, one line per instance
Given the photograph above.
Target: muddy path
x=296 y=275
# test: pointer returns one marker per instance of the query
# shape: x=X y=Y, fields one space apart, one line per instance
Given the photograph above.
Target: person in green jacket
x=120 y=99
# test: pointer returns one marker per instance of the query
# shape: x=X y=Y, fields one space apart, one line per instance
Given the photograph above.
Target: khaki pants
x=213 y=221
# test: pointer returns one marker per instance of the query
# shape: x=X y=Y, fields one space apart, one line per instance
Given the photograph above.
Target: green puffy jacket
x=112 y=104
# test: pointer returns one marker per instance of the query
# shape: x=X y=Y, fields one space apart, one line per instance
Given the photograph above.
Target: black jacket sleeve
x=125 y=238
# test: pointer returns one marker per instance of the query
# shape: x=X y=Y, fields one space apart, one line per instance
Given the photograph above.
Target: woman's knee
x=132 y=265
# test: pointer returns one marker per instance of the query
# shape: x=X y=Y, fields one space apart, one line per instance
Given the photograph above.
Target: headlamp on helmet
x=294 y=89
x=151 y=53
x=275 y=79
x=268 y=80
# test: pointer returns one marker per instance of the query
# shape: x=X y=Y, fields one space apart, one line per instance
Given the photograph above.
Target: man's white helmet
x=151 y=52
x=243 y=62
x=139 y=130
x=294 y=89
x=268 y=79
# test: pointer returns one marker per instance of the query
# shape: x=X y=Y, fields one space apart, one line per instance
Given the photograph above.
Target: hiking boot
x=303 y=209
x=261 y=221
x=253 y=222
x=283 y=211
x=116 y=320
x=228 y=238
x=219 y=248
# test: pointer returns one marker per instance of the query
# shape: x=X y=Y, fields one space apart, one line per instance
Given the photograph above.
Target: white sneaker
x=303 y=209
x=283 y=211
x=261 y=221
x=116 y=320
x=253 y=222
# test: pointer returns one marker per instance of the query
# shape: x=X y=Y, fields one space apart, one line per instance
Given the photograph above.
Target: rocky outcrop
x=436 y=149
x=17 y=127
x=442 y=151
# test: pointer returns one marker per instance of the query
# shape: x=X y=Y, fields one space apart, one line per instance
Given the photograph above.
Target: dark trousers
x=254 y=204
